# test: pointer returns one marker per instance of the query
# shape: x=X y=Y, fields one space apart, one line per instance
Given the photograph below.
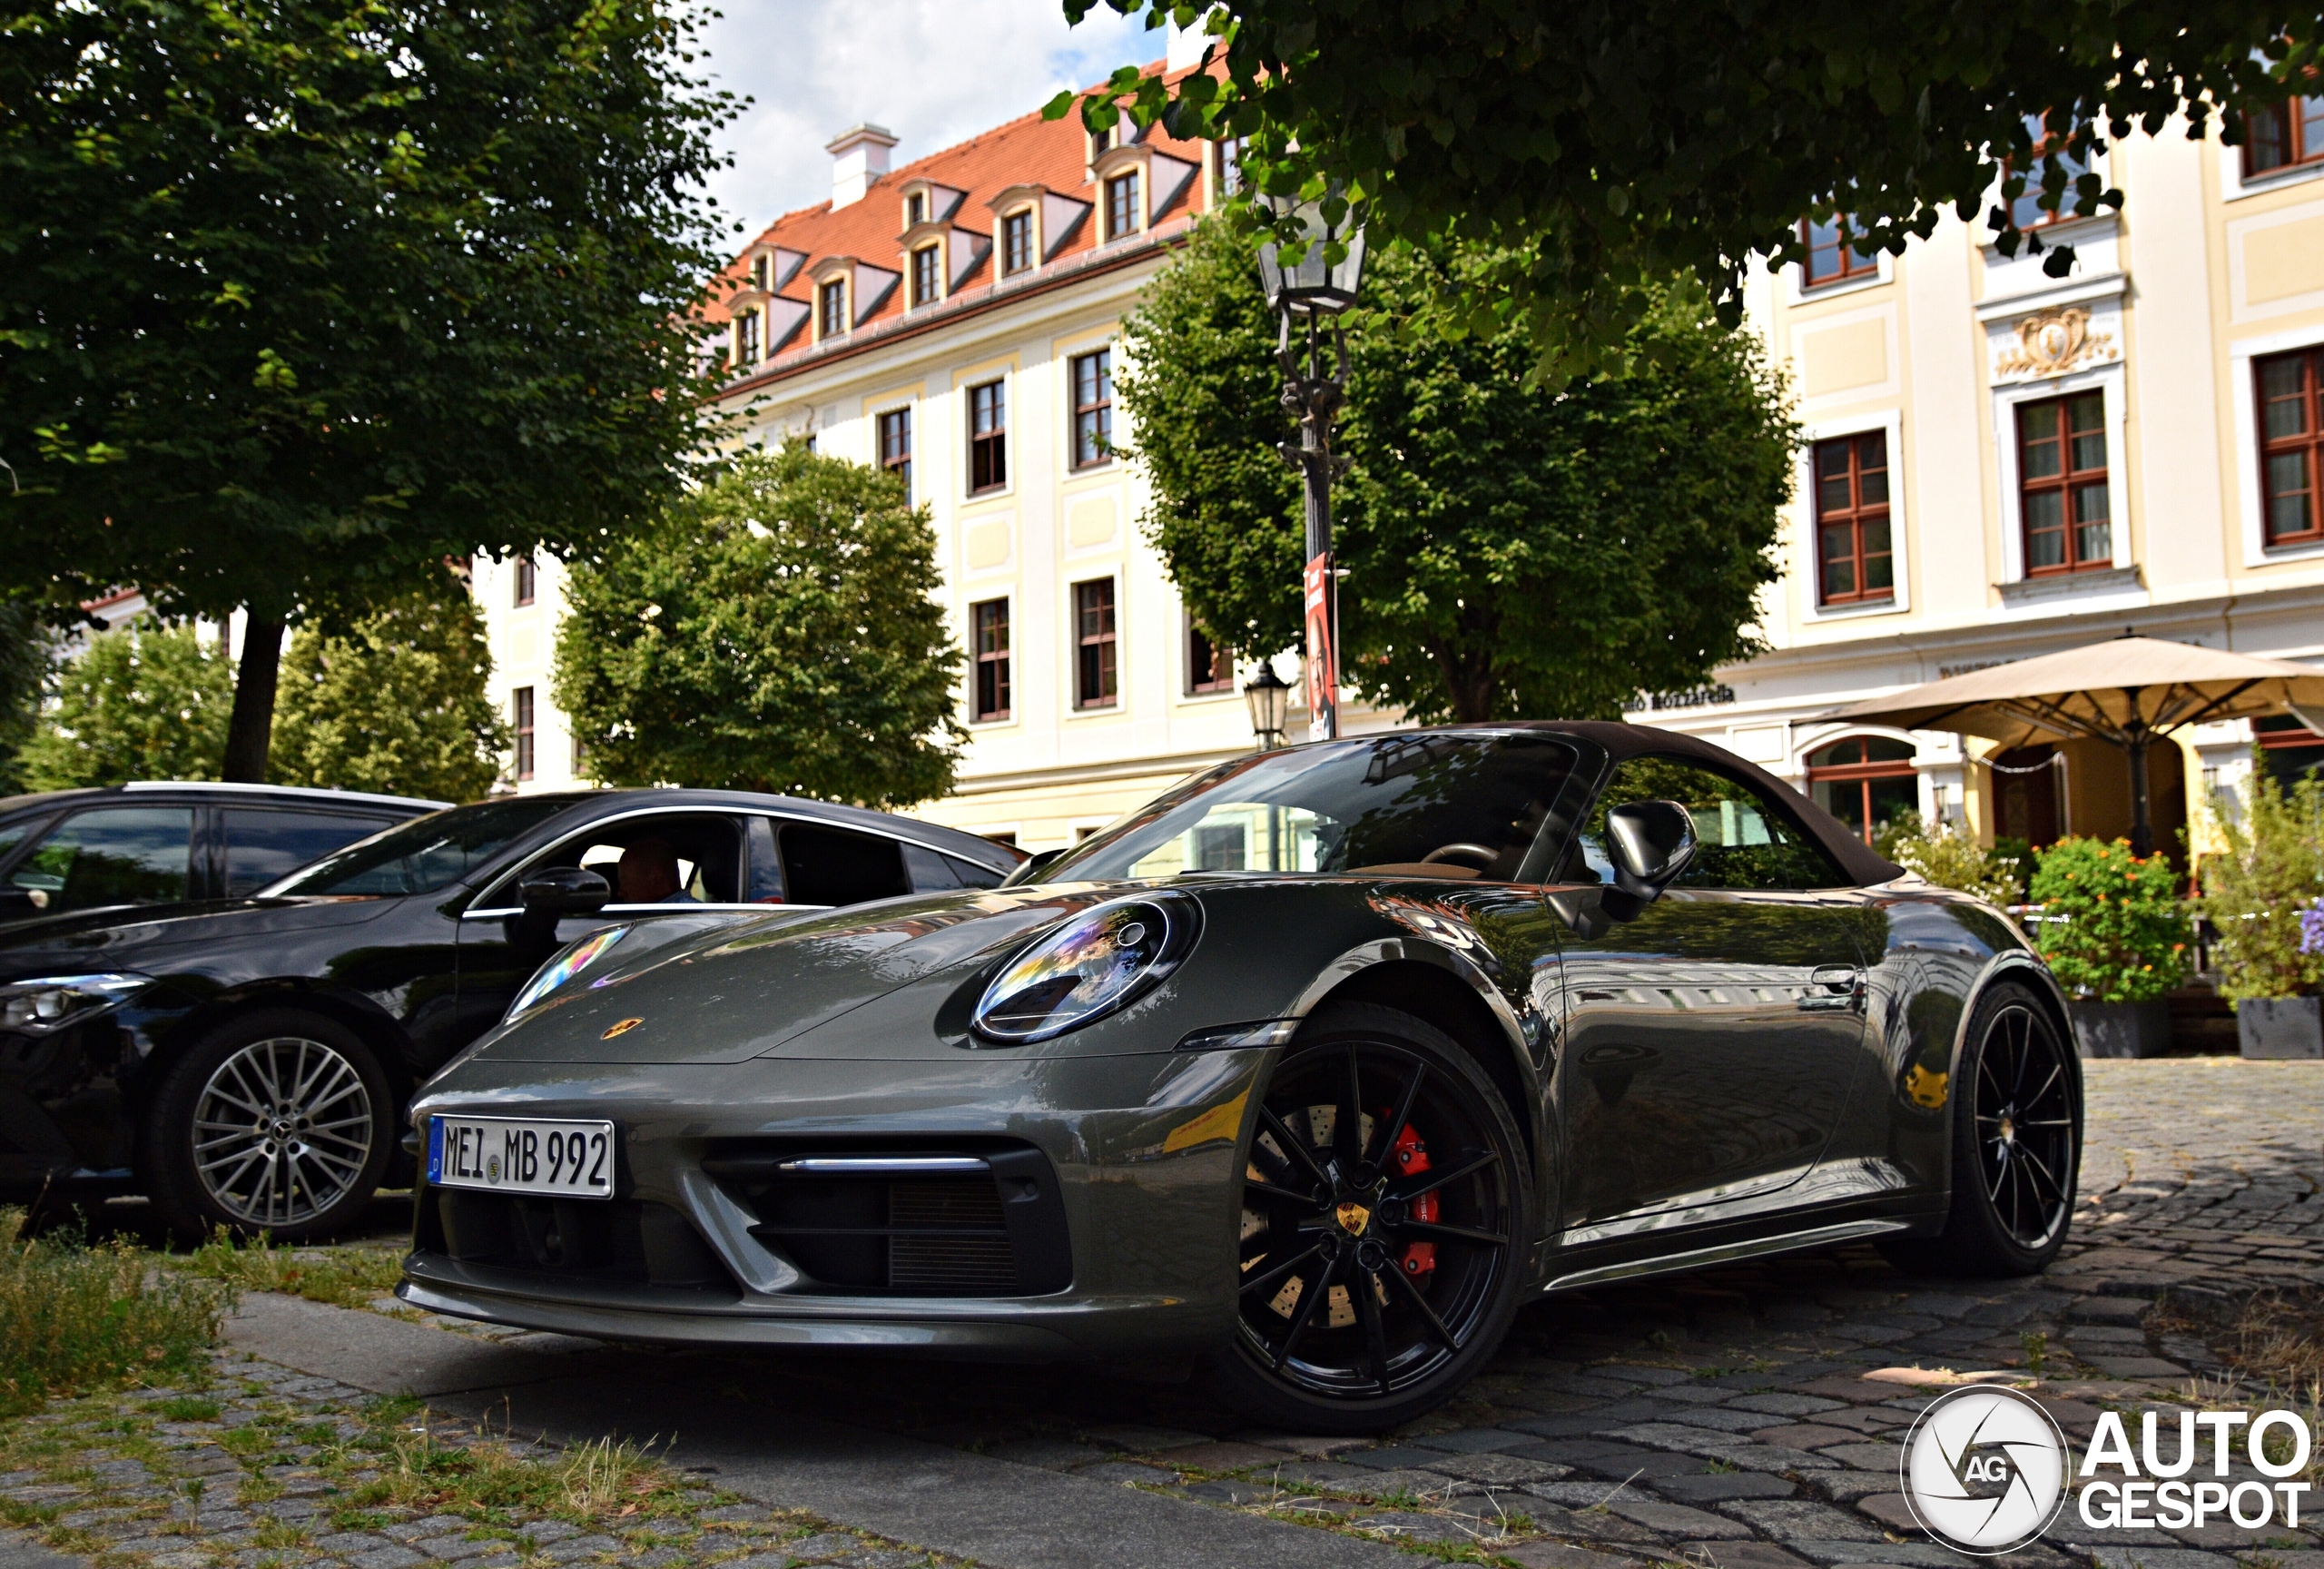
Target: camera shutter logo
x=1984 y=1469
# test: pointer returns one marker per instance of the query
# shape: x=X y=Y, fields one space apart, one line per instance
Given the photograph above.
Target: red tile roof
x=1027 y=151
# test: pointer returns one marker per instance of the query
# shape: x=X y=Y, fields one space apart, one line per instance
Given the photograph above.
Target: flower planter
x=2282 y=1026
x=2122 y=1029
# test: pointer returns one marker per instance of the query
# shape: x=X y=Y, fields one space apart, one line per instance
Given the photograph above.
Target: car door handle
x=1841 y=986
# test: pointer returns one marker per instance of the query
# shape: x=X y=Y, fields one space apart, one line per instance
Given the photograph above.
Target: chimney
x=858 y=157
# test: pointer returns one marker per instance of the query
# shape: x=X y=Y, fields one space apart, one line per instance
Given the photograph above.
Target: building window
x=1093 y=407
x=2291 y=445
x=2290 y=133
x=746 y=337
x=528 y=581
x=915 y=208
x=2062 y=484
x=988 y=628
x=1831 y=259
x=1017 y=241
x=895 y=446
x=831 y=319
x=763 y=272
x=1227 y=167
x=1867 y=783
x=2027 y=210
x=1854 y=561
x=1095 y=678
x=521 y=701
x=926 y=285
x=987 y=437
x=1210 y=667
x=1121 y=205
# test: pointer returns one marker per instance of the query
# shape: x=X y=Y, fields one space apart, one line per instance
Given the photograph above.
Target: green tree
x=143 y=702
x=25 y=644
x=1601 y=147
x=302 y=296
x=1510 y=550
x=396 y=704
x=777 y=632
x=2253 y=891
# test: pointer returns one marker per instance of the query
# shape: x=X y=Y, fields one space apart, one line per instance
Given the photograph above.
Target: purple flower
x=2312 y=928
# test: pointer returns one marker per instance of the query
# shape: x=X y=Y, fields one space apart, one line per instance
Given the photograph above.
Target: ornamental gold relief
x=2053 y=341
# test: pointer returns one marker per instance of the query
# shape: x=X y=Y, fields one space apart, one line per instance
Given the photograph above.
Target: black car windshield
x=1435 y=803
x=423 y=854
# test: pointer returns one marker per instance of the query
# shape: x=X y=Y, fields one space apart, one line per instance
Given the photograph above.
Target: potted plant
x=2114 y=931
x=2256 y=890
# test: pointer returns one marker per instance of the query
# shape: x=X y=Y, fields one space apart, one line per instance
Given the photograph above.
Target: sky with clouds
x=934 y=72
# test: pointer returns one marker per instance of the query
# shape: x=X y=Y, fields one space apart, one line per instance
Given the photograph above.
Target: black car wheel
x=2016 y=1144
x=278 y=1122
x=1386 y=1209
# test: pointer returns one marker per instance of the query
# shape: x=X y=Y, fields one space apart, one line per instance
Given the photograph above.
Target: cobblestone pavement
x=1721 y=1419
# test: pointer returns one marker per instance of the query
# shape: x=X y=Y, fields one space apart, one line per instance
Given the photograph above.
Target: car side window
x=823 y=866
x=111 y=855
x=933 y=871
x=661 y=858
x=264 y=845
x=1745 y=840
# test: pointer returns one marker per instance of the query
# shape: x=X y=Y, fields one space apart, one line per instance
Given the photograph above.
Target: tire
x=308 y=1167
x=2016 y=1133
x=1310 y=1352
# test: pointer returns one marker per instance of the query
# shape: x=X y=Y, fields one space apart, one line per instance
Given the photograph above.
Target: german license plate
x=522 y=1155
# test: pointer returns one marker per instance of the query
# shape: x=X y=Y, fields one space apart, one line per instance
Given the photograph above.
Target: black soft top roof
x=1622 y=740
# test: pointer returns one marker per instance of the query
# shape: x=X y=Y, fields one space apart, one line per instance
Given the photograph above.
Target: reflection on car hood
x=118 y=938
x=734 y=993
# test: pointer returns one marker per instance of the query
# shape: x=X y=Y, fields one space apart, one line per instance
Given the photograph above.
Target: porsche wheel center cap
x=1353 y=1218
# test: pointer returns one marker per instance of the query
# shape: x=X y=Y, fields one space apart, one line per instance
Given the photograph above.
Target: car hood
x=134 y=936
x=736 y=993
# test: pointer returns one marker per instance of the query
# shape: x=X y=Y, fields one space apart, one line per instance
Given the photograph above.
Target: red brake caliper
x=1410 y=1160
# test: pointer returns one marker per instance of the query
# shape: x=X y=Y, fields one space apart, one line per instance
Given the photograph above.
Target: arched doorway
x=1868 y=782
x=2029 y=793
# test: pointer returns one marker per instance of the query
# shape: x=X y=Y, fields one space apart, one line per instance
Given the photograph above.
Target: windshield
x=1430 y=805
x=423 y=854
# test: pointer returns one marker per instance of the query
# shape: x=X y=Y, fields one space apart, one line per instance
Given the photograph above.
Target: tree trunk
x=252 y=729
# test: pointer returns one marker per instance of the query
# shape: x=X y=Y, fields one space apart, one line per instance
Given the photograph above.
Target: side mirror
x=1032 y=867
x=15 y=901
x=1651 y=844
x=564 y=891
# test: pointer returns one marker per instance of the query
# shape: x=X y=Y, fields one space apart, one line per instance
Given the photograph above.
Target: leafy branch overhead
x=1597 y=147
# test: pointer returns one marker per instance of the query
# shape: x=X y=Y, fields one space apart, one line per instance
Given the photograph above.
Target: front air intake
x=913 y=1222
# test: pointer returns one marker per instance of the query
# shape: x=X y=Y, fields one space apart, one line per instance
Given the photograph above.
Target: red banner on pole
x=1323 y=652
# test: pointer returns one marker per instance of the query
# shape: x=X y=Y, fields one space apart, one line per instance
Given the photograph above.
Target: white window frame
x=1016 y=715
x=1892 y=424
x=2108 y=379
x=2240 y=353
x=1066 y=401
x=1803 y=292
x=1011 y=452
x=1074 y=578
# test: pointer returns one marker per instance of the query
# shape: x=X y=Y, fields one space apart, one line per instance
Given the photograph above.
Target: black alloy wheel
x=2016 y=1131
x=1385 y=1218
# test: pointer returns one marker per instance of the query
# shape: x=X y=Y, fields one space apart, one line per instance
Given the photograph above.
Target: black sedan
x=245 y=1062
x=1318 y=1068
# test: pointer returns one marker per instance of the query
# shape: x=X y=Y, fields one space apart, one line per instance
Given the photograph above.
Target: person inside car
x=647 y=873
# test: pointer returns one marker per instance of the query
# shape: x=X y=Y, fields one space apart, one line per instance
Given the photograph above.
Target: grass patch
x=184 y=1409
x=342 y=1277
x=75 y=1317
x=605 y=1481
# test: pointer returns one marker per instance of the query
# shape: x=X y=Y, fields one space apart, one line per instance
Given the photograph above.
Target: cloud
x=934 y=72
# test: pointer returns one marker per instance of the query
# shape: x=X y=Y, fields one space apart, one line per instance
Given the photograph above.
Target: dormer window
x=1017 y=243
x=927 y=275
x=915 y=208
x=762 y=273
x=830 y=307
x=746 y=338
x=1122 y=213
x=1105 y=141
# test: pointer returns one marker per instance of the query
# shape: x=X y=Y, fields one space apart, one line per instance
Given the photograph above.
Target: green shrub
x=74 y=1317
x=2114 y=928
x=2254 y=890
x=1951 y=857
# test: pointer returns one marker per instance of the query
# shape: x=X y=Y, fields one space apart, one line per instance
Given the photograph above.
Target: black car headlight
x=1103 y=959
x=577 y=956
x=51 y=1003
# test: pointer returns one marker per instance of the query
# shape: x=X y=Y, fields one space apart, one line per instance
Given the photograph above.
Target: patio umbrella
x=2128 y=692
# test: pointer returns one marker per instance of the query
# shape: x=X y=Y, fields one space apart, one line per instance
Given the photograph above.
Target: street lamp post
x=1268 y=695
x=1312 y=292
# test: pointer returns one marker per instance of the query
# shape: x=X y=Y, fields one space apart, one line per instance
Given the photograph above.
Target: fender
x=2013 y=964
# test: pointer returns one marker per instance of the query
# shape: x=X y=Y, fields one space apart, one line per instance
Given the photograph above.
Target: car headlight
x=1101 y=960
x=577 y=956
x=42 y=1006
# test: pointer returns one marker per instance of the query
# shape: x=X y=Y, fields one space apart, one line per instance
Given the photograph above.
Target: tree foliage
x=24 y=651
x=1510 y=550
x=1598 y=147
x=396 y=705
x=301 y=296
x=2254 y=890
x=143 y=702
x=777 y=632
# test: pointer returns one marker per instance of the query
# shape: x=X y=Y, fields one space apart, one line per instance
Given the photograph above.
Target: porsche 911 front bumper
x=1089 y=1207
